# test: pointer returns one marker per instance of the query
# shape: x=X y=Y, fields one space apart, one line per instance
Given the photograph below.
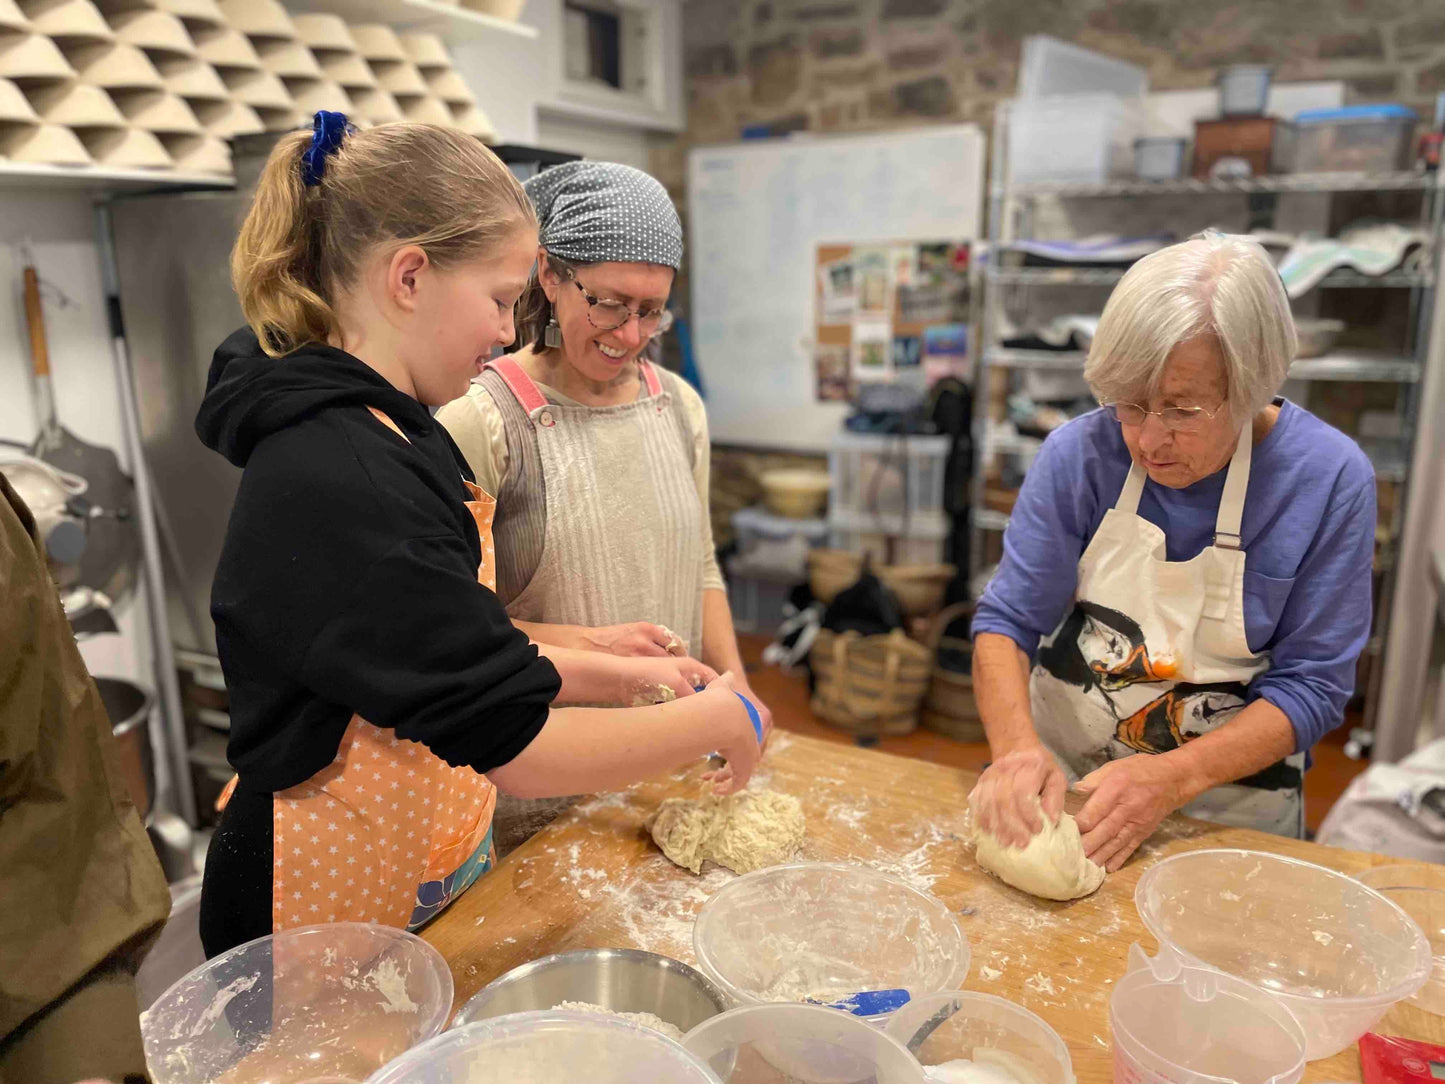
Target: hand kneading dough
x=746 y=831
x=1052 y=865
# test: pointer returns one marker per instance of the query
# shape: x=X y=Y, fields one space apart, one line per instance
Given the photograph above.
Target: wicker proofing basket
x=870 y=684
x=950 y=708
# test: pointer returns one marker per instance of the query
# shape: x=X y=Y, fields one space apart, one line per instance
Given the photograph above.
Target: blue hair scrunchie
x=327 y=133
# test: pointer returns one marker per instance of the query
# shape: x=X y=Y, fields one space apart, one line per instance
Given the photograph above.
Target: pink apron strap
x=649 y=374
x=519 y=384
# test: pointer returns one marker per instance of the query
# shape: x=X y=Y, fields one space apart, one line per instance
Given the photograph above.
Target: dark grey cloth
x=605 y=212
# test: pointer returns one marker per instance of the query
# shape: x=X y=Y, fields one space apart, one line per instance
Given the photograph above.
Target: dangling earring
x=552 y=334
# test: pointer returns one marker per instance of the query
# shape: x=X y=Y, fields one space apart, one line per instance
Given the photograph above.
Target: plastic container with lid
x=1419 y=890
x=1068 y=139
x=1176 y=1023
x=806 y=1044
x=336 y=1000
x=886 y=475
x=824 y=932
x=1244 y=89
x=1335 y=953
x=546 y=1048
x=984 y=1030
x=1369 y=138
x=1159 y=158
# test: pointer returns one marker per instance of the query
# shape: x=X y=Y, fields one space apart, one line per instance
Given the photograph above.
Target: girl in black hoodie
x=379 y=694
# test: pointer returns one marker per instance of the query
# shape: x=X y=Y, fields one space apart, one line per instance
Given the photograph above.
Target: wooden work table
x=594 y=879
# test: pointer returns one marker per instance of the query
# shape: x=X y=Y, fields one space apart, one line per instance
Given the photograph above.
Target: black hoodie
x=348 y=581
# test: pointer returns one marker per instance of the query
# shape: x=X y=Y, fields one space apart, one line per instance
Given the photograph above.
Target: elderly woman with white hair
x=1186 y=573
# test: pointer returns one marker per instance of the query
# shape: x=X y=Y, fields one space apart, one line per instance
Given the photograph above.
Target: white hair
x=1215 y=284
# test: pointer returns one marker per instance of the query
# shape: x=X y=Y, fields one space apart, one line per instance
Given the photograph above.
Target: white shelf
x=1109 y=276
x=1287 y=182
x=100 y=179
x=1343 y=365
x=986 y=519
x=450 y=21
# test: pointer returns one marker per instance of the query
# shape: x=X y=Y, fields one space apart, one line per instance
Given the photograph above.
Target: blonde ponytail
x=384 y=188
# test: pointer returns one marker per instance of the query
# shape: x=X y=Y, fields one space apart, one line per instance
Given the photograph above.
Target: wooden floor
x=787 y=696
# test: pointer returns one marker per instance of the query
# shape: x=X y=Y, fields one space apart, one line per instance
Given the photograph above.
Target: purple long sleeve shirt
x=1308 y=535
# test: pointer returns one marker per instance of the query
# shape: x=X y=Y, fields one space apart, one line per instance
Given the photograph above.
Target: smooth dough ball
x=1051 y=866
x=750 y=830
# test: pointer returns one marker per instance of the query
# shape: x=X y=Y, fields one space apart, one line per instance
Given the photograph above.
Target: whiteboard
x=757 y=211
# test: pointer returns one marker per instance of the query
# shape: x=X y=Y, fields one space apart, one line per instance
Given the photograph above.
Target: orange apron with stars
x=389 y=832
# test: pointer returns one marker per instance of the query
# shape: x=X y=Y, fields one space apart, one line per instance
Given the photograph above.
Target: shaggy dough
x=1052 y=865
x=746 y=831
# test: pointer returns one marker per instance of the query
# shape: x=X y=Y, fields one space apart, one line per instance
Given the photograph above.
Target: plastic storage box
x=887 y=475
x=1159 y=158
x=757 y=600
x=890 y=540
x=1083 y=138
x=1369 y=138
x=1049 y=66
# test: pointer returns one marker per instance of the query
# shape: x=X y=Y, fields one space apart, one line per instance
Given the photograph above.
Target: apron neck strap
x=649 y=377
x=518 y=383
x=1231 y=502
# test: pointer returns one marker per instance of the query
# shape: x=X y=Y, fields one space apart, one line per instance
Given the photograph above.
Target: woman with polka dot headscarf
x=599 y=459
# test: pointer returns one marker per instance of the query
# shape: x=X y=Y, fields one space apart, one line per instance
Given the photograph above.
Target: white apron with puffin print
x=1153 y=654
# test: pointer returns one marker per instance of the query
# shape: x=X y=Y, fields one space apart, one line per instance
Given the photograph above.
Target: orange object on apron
x=388 y=832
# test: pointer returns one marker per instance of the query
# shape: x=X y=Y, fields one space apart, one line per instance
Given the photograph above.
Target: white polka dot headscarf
x=605 y=212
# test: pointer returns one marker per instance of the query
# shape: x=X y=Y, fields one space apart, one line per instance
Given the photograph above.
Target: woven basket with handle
x=950 y=708
x=870 y=684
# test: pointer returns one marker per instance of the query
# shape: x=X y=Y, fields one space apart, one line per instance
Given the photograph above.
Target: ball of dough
x=750 y=830
x=1052 y=865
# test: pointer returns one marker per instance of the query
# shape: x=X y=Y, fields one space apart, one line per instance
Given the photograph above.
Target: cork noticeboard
x=890 y=311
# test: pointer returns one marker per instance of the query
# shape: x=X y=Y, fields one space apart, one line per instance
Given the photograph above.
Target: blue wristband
x=753 y=716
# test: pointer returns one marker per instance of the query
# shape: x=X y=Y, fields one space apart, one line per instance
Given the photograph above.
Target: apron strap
x=649 y=376
x=519 y=384
x=1128 y=501
x=385 y=419
x=1231 y=502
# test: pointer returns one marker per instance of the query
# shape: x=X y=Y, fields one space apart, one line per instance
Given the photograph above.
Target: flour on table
x=1052 y=865
x=747 y=831
x=646 y=1019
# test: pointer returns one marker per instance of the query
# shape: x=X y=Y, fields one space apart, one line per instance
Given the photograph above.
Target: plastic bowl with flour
x=823 y=932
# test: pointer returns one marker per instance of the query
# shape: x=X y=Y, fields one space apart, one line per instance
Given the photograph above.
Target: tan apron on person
x=1154 y=654
x=601 y=467
x=388 y=832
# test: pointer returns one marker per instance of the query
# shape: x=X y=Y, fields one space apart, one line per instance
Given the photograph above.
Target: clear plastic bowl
x=1419 y=891
x=949 y=1027
x=336 y=1000
x=821 y=932
x=548 y=1048
x=1335 y=953
x=1186 y=1024
x=807 y=1044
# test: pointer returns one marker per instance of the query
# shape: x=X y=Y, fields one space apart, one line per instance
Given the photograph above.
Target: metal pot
x=129 y=707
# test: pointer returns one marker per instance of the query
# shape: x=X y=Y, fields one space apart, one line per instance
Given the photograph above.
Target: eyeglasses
x=1175 y=419
x=608 y=315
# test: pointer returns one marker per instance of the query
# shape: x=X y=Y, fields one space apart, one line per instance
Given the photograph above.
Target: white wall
x=593 y=139
x=59 y=230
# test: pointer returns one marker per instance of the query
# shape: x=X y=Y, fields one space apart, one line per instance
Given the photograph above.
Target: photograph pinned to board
x=872 y=350
x=830 y=365
x=945 y=352
x=907 y=351
x=905 y=265
x=837 y=283
x=873 y=271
